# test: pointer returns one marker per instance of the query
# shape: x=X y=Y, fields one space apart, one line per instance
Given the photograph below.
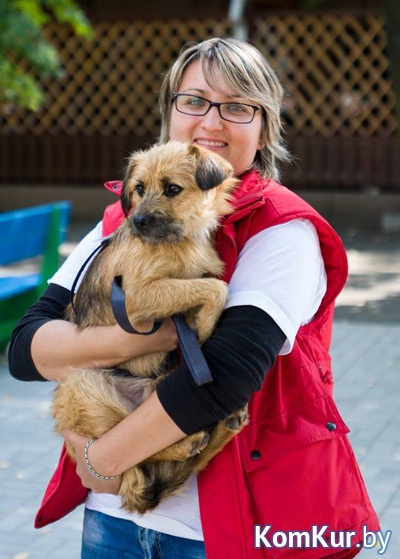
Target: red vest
x=292 y=467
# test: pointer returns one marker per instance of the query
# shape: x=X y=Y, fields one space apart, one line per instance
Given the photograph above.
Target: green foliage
x=25 y=53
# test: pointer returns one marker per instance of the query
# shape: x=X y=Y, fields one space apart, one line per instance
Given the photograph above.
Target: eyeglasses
x=193 y=105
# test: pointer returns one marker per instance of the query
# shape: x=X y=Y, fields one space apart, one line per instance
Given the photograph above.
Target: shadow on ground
x=372 y=292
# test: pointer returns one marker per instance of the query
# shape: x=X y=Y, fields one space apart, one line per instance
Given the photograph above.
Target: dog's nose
x=142 y=222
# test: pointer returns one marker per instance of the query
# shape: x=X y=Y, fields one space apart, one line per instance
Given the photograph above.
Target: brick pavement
x=366 y=361
x=366 y=357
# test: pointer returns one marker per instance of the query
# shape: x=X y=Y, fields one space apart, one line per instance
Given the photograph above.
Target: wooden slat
x=336 y=162
x=343 y=163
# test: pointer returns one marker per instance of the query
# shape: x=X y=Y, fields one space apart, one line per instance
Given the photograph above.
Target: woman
x=292 y=466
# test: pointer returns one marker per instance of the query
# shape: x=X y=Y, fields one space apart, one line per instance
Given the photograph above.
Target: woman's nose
x=212 y=120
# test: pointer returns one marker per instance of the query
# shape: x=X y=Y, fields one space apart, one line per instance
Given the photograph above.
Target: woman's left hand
x=87 y=479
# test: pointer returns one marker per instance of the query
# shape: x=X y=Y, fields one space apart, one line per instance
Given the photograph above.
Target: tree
x=23 y=45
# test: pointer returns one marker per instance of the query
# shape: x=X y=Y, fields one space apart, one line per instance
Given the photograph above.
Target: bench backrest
x=28 y=232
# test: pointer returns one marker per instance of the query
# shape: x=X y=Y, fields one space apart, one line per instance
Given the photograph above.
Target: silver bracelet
x=89 y=466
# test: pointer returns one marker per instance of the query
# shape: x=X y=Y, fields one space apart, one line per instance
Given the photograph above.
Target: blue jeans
x=107 y=537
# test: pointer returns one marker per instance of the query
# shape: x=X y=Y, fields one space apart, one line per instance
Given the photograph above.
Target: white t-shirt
x=281 y=271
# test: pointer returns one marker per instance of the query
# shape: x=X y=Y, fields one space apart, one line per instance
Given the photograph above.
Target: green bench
x=28 y=233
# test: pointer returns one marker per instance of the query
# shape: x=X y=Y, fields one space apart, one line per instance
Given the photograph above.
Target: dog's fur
x=173 y=196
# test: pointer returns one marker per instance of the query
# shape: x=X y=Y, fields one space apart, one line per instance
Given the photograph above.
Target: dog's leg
x=165 y=297
x=182 y=450
x=222 y=434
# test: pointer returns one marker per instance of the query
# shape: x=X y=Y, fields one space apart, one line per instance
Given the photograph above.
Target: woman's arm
x=94 y=347
x=46 y=347
x=144 y=432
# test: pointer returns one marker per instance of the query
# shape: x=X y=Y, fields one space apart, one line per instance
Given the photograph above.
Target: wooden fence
x=339 y=107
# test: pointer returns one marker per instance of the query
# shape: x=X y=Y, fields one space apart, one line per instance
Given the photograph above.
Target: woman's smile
x=210 y=143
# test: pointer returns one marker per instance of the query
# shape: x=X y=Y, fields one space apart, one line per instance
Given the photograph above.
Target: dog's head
x=176 y=191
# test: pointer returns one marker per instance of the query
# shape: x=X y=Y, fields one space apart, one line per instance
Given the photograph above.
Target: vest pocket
x=318 y=420
x=299 y=470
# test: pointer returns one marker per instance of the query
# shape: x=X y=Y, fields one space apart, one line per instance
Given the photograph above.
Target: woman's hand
x=130 y=346
x=166 y=337
x=145 y=431
x=87 y=479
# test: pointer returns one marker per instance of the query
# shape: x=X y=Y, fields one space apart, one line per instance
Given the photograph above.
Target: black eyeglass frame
x=175 y=96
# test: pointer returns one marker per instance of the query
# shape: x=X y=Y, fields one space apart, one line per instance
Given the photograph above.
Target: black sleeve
x=50 y=306
x=243 y=348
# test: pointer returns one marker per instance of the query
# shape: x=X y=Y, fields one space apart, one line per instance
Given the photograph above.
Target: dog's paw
x=237 y=421
x=199 y=444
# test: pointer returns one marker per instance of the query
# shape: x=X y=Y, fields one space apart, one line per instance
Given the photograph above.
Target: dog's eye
x=172 y=189
x=140 y=189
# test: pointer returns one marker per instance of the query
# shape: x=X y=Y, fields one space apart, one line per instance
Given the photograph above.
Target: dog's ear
x=210 y=171
x=125 y=199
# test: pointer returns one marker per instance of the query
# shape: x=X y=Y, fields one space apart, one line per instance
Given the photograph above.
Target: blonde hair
x=247 y=73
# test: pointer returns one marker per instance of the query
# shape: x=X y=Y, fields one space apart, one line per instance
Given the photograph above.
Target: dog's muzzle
x=156 y=228
x=144 y=223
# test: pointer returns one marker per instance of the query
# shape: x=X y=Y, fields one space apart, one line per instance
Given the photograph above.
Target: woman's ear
x=210 y=170
x=262 y=142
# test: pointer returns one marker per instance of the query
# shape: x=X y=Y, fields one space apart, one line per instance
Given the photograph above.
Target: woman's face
x=237 y=143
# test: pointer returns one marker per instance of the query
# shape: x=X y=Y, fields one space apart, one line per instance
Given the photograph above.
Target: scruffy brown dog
x=173 y=196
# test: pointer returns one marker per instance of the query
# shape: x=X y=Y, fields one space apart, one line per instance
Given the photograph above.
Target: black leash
x=188 y=343
x=191 y=351
x=119 y=310
x=98 y=249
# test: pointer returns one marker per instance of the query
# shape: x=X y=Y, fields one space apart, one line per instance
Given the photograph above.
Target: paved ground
x=372 y=291
x=366 y=357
